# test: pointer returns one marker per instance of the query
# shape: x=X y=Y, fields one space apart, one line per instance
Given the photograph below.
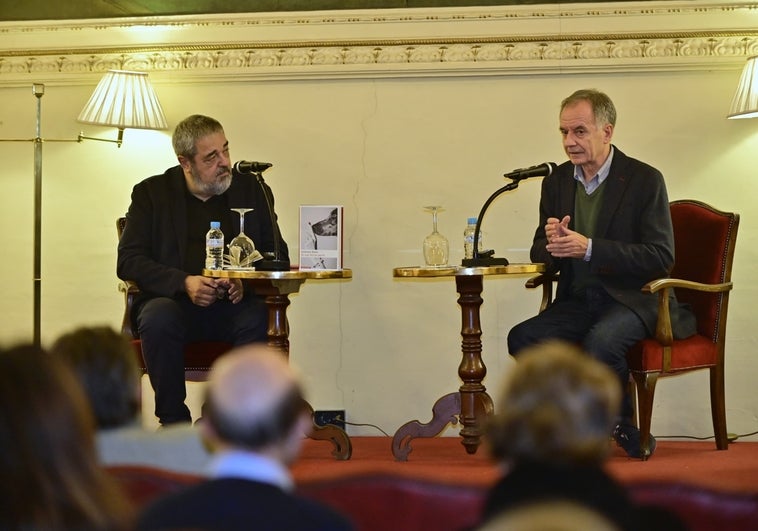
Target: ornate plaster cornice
x=381 y=43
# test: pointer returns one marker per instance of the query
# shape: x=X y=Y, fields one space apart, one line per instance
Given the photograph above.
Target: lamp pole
x=126 y=95
x=38 y=89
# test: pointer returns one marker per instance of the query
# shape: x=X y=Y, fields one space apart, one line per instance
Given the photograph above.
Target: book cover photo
x=321 y=237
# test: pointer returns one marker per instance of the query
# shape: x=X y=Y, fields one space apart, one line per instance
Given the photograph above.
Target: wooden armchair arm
x=130 y=290
x=663 y=332
x=655 y=285
x=545 y=280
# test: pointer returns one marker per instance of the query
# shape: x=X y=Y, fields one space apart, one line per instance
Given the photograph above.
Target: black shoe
x=627 y=436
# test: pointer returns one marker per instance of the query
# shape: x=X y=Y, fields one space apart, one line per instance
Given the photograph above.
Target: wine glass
x=436 y=246
x=242 y=251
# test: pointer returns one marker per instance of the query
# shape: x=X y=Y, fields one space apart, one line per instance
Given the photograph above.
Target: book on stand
x=321 y=237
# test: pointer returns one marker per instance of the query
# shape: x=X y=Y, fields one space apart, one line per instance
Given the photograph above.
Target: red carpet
x=442 y=488
x=444 y=459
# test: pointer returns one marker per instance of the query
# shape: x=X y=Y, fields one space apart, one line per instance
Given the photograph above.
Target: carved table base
x=471 y=405
x=276 y=287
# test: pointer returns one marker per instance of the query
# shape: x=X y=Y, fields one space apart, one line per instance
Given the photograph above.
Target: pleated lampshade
x=125 y=100
x=745 y=101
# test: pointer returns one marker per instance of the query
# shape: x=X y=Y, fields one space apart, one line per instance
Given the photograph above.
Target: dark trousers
x=603 y=327
x=165 y=325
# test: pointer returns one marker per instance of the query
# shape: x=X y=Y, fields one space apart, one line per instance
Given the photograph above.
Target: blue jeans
x=603 y=327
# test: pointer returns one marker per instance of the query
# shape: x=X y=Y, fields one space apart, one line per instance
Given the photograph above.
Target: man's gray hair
x=602 y=106
x=189 y=130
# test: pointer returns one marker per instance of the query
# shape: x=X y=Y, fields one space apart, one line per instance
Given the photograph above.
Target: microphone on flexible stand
x=486 y=258
x=246 y=166
x=540 y=170
x=270 y=262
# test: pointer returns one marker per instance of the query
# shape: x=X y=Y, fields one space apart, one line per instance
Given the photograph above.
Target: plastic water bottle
x=214 y=247
x=468 y=238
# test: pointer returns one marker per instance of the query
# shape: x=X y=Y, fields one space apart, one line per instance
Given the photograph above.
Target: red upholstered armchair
x=704 y=240
x=198 y=356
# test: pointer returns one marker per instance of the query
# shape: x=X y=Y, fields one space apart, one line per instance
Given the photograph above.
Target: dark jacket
x=633 y=242
x=152 y=248
x=234 y=504
x=589 y=486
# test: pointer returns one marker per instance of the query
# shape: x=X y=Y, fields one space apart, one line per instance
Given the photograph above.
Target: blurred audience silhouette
x=105 y=363
x=551 y=435
x=51 y=479
x=550 y=516
x=255 y=419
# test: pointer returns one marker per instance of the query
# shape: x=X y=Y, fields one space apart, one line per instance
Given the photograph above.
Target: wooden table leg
x=343 y=447
x=476 y=404
x=471 y=405
x=445 y=411
x=278 y=327
x=277 y=300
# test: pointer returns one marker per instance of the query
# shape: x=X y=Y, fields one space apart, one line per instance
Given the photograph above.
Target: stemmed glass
x=436 y=246
x=242 y=251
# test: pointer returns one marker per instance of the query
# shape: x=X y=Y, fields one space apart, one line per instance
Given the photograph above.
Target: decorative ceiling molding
x=387 y=43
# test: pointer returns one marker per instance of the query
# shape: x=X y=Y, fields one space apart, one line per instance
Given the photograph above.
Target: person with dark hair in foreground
x=551 y=436
x=51 y=479
x=255 y=419
x=605 y=226
x=105 y=363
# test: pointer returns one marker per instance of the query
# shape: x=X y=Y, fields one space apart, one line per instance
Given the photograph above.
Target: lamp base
x=272 y=265
x=484 y=261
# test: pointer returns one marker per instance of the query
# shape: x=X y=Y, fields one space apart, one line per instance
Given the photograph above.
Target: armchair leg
x=631 y=389
x=718 y=407
x=645 y=383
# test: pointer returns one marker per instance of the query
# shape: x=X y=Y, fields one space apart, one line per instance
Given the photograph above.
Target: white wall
x=384 y=146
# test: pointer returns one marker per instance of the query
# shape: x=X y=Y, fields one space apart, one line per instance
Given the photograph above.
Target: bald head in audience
x=255 y=403
x=255 y=419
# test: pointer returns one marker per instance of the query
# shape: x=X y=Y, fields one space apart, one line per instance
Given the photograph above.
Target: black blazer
x=587 y=485
x=152 y=248
x=234 y=504
x=633 y=242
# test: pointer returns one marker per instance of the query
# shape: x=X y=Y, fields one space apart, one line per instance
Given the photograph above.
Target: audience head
x=105 y=364
x=551 y=515
x=50 y=475
x=558 y=405
x=255 y=403
x=602 y=106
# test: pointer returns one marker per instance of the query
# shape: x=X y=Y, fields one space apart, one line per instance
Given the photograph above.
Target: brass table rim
x=453 y=270
x=293 y=274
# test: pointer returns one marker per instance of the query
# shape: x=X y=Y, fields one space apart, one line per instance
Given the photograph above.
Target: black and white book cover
x=321 y=237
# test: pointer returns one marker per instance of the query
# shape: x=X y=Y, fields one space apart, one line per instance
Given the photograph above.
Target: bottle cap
x=215 y=224
x=472 y=221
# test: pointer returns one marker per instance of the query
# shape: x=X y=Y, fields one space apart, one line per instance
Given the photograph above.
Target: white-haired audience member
x=255 y=419
x=551 y=435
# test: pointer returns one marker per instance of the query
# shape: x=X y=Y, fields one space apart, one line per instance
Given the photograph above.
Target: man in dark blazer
x=605 y=226
x=162 y=249
x=255 y=419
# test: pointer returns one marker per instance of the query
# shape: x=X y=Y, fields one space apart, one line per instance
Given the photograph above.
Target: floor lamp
x=122 y=99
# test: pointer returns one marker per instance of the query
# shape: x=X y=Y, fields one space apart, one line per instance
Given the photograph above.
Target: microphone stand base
x=484 y=261
x=272 y=265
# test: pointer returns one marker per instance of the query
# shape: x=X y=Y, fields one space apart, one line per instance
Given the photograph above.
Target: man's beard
x=216 y=187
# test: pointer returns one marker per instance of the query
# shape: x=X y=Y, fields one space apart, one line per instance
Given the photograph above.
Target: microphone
x=271 y=261
x=487 y=258
x=540 y=170
x=246 y=166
